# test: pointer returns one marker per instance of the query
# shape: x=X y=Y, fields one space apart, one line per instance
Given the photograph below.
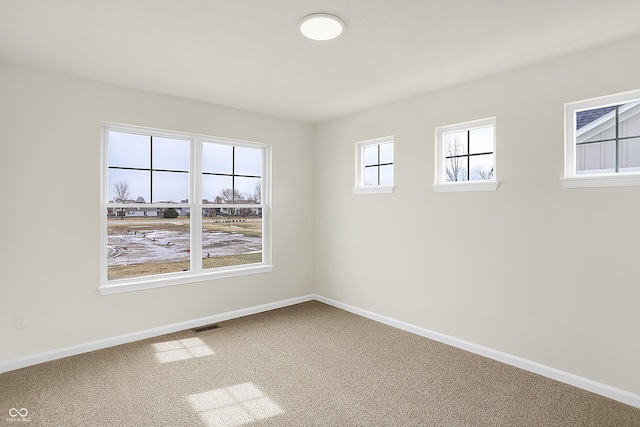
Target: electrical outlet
x=308 y=275
x=20 y=320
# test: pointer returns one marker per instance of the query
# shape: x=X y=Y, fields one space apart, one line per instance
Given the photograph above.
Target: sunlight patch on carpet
x=172 y=351
x=233 y=406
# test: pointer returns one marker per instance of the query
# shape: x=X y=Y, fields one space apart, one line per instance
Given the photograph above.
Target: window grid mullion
x=468 y=154
x=378 y=161
x=233 y=175
x=617 y=146
x=151 y=167
x=128 y=168
x=195 y=197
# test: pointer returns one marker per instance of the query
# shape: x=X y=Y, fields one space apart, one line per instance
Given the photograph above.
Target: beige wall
x=50 y=129
x=534 y=270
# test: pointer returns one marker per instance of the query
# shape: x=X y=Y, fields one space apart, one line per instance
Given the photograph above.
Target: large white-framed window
x=466 y=156
x=374 y=166
x=180 y=208
x=602 y=141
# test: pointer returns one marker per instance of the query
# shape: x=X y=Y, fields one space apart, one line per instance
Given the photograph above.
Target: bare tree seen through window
x=454 y=158
x=468 y=156
x=257 y=193
x=120 y=195
x=120 y=192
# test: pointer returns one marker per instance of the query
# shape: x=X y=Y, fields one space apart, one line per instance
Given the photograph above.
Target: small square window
x=465 y=157
x=602 y=141
x=374 y=166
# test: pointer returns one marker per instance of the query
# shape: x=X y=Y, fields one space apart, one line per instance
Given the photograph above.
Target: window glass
x=247 y=161
x=170 y=154
x=481 y=167
x=231 y=237
x=213 y=187
x=629 y=122
x=386 y=153
x=386 y=175
x=128 y=150
x=249 y=189
x=371 y=176
x=371 y=155
x=145 y=242
x=374 y=165
x=170 y=187
x=606 y=139
x=217 y=158
x=150 y=213
x=481 y=140
x=467 y=154
x=126 y=185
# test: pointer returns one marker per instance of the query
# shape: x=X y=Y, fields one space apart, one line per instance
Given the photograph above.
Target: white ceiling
x=249 y=54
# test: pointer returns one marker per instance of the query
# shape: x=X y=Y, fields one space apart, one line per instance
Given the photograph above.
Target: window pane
x=630 y=119
x=587 y=117
x=170 y=154
x=386 y=175
x=595 y=158
x=455 y=169
x=455 y=143
x=217 y=158
x=386 y=153
x=128 y=186
x=170 y=187
x=370 y=176
x=630 y=155
x=248 y=161
x=129 y=150
x=370 y=155
x=231 y=237
x=481 y=140
x=140 y=242
x=607 y=131
x=217 y=189
x=481 y=167
x=248 y=190
x=596 y=124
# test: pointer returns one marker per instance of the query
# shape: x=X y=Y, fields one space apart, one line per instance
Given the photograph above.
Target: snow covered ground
x=130 y=243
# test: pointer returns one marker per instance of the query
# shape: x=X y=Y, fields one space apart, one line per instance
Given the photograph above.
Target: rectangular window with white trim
x=465 y=156
x=374 y=166
x=179 y=208
x=602 y=141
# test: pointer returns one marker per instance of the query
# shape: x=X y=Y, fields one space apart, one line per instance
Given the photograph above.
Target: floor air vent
x=206 y=328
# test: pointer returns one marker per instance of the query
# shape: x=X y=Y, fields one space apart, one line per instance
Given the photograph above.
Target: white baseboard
x=148 y=333
x=623 y=396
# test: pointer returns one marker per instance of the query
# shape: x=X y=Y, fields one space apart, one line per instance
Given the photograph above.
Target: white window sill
x=452 y=187
x=594 y=181
x=373 y=190
x=131 y=285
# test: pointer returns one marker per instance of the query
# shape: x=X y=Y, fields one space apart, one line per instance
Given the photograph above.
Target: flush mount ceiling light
x=321 y=26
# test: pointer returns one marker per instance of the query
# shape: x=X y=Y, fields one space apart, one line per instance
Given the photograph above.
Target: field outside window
x=181 y=206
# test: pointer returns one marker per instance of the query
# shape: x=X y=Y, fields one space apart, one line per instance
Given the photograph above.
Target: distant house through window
x=608 y=139
x=602 y=142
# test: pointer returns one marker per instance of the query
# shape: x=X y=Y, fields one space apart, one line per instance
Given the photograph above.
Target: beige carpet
x=305 y=365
